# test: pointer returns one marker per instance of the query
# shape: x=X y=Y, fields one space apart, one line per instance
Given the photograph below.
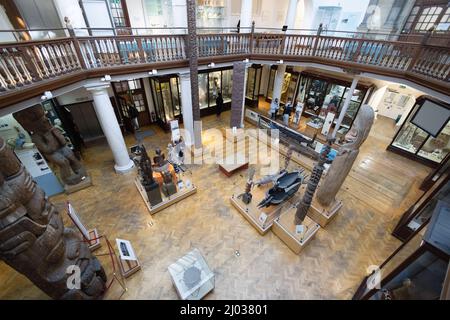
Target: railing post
x=420 y=49
x=252 y=33
x=28 y=60
x=316 y=42
x=76 y=43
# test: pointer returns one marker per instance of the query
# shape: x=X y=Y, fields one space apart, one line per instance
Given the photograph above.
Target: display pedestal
x=167 y=201
x=233 y=164
x=285 y=229
x=94 y=241
x=233 y=138
x=77 y=187
x=260 y=218
x=323 y=215
x=192 y=277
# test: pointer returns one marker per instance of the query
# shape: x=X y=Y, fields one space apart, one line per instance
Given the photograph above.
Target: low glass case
x=191 y=276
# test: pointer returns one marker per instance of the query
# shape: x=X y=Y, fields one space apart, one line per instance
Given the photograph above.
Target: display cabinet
x=290 y=84
x=418 y=215
x=210 y=83
x=418 y=269
x=166 y=99
x=319 y=92
x=425 y=135
x=253 y=85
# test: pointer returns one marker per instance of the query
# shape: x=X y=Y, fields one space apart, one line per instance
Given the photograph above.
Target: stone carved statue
x=34 y=241
x=346 y=156
x=52 y=143
x=150 y=185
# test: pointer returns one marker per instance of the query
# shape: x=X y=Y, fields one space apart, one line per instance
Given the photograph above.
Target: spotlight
x=211 y=65
x=47 y=95
x=153 y=72
x=246 y=60
x=280 y=62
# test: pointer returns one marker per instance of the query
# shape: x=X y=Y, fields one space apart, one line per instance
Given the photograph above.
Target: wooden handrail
x=26 y=63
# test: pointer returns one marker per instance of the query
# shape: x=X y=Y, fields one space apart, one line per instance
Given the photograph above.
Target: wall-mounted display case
x=415 y=142
x=166 y=99
x=210 y=83
x=253 y=85
x=290 y=84
x=418 y=269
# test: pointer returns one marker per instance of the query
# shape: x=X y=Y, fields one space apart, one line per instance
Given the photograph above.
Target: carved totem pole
x=34 y=241
x=52 y=143
x=343 y=163
x=313 y=183
x=149 y=184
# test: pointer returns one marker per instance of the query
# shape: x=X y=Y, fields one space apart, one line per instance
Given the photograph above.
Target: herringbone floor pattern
x=380 y=187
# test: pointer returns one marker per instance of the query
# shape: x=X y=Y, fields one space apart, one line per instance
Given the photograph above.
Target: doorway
x=131 y=92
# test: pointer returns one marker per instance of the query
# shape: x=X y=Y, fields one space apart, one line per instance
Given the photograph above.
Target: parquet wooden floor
x=379 y=188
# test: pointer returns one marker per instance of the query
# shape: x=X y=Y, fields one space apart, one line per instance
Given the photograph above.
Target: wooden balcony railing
x=23 y=64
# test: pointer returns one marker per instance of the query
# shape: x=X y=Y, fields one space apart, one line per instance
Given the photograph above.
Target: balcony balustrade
x=24 y=64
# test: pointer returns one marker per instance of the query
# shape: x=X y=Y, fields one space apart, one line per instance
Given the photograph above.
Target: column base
x=124 y=169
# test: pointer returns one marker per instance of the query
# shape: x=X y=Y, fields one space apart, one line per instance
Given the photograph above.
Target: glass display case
x=290 y=84
x=418 y=215
x=417 y=270
x=210 y=83
x=253 y=85
x=166 y=99
x=416 y=143
x=191 y=276
x=320 y=93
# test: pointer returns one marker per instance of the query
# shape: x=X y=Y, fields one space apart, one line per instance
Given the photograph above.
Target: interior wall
x=72 y=10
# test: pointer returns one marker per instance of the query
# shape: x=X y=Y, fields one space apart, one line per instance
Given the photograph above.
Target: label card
x=299 y=229
x=263 y=218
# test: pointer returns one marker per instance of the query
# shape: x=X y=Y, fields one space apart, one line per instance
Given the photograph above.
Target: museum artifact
x=159 y=159
x=285 y=186
x=52 y=144
x=150 y=185
x=313 y=182
x=168 y=187
x=346 y=156
x=247 y=196
x=34 y=241
x=192 y=277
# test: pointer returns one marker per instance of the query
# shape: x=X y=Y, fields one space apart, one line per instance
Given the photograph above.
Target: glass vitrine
x=417 y=269
x=210 y=83
x=416 y=143
x=289 y=87
x=253 y=85
x=166 y=99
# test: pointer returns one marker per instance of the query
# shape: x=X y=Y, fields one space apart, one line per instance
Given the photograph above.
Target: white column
x=348 y=99
x=290 y=15
x=278 y=82
x=246 y=16
x=108 y=122
x=186 y=107
x=279 y=77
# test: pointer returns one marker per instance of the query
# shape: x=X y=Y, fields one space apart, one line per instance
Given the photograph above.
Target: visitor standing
x=219 y=104
x=298 y=112
x=287 y=112
x=274 y=109
x=134 y=114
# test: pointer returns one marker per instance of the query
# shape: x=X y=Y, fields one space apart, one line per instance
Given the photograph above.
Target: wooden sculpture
x=52 y=143
x=34 y=241
x=346 y=156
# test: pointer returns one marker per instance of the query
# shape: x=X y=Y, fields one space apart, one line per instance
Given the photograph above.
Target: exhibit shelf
x=261 y=219
x=285 y=229
x=167 y=201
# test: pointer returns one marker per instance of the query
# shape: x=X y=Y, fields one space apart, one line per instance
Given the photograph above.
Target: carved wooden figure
x=346 y=156
x=34 y=241
x=52 y=143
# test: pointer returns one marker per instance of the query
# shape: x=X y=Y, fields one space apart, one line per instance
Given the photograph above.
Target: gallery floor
x=380 y=187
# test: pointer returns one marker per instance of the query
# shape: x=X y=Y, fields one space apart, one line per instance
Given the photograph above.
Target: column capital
x=184 y=75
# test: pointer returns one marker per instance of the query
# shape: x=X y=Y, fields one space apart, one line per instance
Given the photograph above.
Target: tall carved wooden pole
x=34 y=241
x=193 y=69
x=313 y=183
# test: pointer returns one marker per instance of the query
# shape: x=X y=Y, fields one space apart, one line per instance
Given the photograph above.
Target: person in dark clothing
x=134 y=114
x=219 y=104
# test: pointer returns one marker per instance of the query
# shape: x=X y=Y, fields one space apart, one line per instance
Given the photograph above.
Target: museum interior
x=224 y=149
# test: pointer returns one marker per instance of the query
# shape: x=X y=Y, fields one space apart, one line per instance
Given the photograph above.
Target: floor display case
x=417 y=270
x=191 y=276
x=296 y=239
